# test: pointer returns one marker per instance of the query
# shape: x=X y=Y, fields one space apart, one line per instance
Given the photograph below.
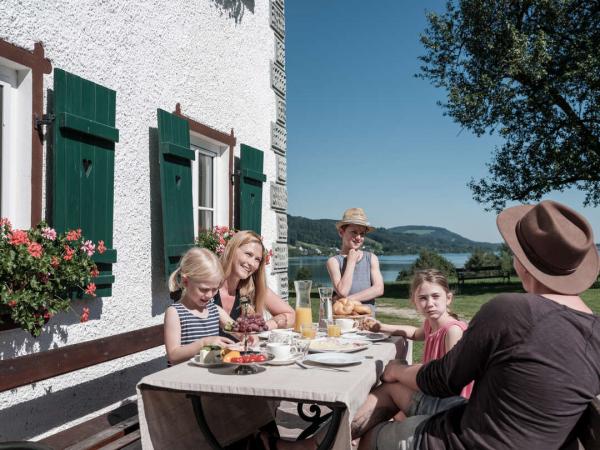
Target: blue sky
x=363 y=131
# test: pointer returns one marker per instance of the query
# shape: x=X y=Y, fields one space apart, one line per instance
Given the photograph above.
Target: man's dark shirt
x=536 y=366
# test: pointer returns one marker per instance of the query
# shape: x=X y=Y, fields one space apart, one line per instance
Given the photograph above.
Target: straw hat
x=554 y=243
x=355 y=216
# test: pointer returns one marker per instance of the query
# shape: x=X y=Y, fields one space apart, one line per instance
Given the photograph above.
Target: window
x=15 y=143
x=210 y=182
x=21 y=150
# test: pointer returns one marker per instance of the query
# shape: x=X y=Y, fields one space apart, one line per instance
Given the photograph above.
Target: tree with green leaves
x=480 y=258
x=528 y=70
x=428 y=260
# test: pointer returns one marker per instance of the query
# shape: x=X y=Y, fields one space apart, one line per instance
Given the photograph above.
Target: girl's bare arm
x=176 y=352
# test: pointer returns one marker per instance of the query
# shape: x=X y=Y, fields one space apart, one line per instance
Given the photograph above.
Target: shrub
x=480 y=258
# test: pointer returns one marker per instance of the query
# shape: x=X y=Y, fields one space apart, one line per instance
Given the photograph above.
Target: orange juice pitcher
x=303 y=308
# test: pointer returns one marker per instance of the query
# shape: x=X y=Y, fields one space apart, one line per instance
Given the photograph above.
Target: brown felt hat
x=355 y=216
x=554 y=243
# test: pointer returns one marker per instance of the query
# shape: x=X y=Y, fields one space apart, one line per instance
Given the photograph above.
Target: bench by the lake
x=480 y=273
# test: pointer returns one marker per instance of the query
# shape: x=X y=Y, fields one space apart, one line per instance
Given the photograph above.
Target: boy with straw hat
x=355 y=273
x=535 y=357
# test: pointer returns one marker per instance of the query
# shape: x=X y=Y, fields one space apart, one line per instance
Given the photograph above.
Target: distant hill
x=320 y=236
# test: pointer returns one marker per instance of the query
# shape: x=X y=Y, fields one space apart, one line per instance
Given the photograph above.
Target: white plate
x=206 y=365
x=337 y=345
x=367 y=336
x=285 y=362
x=334 y=359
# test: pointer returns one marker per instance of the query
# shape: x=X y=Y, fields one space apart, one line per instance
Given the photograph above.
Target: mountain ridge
x=321 y=234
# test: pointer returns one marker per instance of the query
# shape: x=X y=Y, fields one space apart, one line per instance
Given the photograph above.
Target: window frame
x=216 y=140
x=36 y=62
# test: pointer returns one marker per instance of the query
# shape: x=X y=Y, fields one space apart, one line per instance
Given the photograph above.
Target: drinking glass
x=302 y=345
x=333 y=329
x=325 y=307
x=309 y=330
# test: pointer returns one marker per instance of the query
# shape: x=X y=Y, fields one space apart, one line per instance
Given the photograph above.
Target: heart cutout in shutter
x=87 y=167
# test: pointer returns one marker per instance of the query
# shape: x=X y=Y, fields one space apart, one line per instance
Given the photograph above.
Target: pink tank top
x=435 y=347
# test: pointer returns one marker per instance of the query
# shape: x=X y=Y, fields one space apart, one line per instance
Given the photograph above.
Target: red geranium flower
x=85 y=315
x=35 y=250
x=18 y=237
x=101 y=248
x=54 y=262
x=68 y=253
x=73 y=235
x=91 y=289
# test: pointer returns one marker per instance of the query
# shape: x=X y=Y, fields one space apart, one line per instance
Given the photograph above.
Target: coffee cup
x=280 y=351
x=346 y=324
x=281 y=336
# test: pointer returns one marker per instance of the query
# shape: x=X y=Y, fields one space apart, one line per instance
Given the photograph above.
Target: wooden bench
x=117 y=429
x=481 y=273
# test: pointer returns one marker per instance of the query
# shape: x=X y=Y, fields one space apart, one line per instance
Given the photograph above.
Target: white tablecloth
x=236 y=405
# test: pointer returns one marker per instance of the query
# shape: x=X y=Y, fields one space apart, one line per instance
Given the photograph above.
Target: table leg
x=199 y=413
x=334 y=417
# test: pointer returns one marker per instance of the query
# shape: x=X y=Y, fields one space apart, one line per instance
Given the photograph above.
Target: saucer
x=285 y=362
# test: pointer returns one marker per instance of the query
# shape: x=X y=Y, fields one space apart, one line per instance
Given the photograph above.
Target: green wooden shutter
x=251 y=183
x=83 y=166
x=175 y=163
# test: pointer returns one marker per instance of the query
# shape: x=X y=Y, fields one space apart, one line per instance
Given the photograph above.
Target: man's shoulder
x=505 y=305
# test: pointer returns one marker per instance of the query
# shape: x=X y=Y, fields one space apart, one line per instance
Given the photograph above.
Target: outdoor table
x=171 y=414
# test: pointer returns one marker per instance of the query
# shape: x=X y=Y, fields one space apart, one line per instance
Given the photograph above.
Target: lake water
x=389 y=265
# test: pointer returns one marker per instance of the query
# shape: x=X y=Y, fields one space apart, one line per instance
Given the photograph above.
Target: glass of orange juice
x=333 y=329
x=309 y=330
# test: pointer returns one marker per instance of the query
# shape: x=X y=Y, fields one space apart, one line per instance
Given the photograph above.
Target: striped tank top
x=194 y=328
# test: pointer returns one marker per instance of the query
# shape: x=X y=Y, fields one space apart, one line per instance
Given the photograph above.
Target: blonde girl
x=194 y=320
x=441 y=330
x=243 y=263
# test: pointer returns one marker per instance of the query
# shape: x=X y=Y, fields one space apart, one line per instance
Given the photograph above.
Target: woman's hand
x=370 y=324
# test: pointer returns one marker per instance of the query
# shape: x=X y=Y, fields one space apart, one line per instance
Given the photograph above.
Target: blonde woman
x=243 y=264
x=194 y=321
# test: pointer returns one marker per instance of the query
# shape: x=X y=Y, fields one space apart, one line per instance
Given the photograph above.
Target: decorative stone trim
x=280 y=109
x=283 y=285
x=278 y=80
x=281 y=169
x=282 y=228
x=278 y=197
x=277 y=18
x=278 y=138
x=279 y=51
x=280 y=257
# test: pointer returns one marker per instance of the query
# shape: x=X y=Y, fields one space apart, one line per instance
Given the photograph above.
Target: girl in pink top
x=441 y=330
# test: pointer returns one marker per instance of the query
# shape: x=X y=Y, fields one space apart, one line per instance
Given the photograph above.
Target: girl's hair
x=255 y=286
x=197 y=264
x=430 y=276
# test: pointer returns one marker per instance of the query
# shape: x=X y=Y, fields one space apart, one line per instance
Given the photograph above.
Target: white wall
x=154 y=54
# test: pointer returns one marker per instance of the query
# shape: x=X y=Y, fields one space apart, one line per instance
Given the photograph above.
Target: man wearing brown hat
x=535 y=357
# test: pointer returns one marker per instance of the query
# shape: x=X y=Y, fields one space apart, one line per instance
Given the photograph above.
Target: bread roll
x=338 y=308
x=362 y=309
